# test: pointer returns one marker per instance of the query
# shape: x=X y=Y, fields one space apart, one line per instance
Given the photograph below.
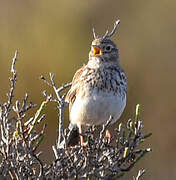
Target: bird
x=99 y=88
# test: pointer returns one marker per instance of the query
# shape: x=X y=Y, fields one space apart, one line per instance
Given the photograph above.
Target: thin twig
x=107 y=34
x=141 y=172
x=61 y=104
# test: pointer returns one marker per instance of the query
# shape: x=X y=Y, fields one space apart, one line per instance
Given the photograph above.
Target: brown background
x=55 y=36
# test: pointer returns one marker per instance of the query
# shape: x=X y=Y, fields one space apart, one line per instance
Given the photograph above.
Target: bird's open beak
x=96 y=51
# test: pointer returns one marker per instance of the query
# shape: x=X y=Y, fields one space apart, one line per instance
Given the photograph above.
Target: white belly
x=96 y=109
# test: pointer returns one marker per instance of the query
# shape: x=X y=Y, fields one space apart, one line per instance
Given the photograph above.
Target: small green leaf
x=137 y=112
x=125 y=152
x=38 y=115
x=147 y=135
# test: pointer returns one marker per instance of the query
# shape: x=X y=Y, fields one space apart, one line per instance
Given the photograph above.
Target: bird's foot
x=84 y=144
x=108 y=134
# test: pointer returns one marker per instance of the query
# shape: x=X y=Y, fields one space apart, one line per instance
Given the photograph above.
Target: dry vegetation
x=101 y=159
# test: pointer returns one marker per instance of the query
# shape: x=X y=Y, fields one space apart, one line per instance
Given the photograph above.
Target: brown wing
x=71 y=95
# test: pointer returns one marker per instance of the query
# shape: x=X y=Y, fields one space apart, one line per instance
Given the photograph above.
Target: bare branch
x=107 y=34
x=94 y=33
x=141 y=172
x=60 y=100
x=14 y=62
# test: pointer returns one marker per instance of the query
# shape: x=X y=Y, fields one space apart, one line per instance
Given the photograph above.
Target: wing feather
x=71 y=95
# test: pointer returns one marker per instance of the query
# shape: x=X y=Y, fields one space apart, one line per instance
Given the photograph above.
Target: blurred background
x=55 y=36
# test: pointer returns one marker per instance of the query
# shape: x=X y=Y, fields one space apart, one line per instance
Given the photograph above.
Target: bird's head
x=104 y=50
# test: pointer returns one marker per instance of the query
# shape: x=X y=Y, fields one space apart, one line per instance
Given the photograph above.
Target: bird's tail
x=73 y=135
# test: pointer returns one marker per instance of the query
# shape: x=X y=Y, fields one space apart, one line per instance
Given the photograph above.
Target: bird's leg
x=84 y=144
x=108 y=134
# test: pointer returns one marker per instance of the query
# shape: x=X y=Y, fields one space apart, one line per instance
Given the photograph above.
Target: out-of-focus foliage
x=55 y=36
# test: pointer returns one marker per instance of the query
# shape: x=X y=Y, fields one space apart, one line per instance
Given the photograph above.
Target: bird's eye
x=108 y=48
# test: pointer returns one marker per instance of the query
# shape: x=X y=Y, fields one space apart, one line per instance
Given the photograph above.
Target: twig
x=60 y=100
x=102 y=133
x=7 y=109
x=107 y=34
x=141 y=172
